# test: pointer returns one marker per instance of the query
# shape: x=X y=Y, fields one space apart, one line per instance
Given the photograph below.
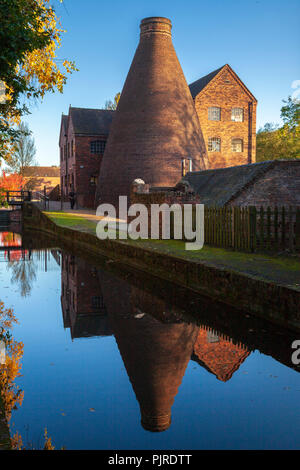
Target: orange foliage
x=12 y=182
x=11 y=394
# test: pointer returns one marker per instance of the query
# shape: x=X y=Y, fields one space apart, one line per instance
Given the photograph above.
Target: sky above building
x=259 y=39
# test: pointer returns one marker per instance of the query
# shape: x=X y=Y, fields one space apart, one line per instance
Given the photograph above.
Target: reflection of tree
x=23 y=273
x=11 y=394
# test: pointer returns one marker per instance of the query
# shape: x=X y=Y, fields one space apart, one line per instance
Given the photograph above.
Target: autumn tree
x=112 y=104
x=11 y=393
x=12 y=182
x=24 y=153
x=30 y=36
x=275 y=142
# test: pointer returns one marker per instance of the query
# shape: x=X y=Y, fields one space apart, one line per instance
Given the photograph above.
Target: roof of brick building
x=41 y=171
x=198 y=85
x=219 y=186
x=91 y=121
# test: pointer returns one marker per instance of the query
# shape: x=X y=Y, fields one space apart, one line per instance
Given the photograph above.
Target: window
x=97 y=302
x=183 y=167
x=237 y=145
x=214 y=113
x=93 y=180
x=190 y=164
x=98 y=146
x=214 y=144
x=237 y=114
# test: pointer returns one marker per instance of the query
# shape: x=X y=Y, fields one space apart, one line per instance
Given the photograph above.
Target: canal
x=109 y=358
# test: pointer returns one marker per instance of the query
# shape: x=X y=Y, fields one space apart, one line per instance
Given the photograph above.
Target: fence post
x=261 y=227
x=276 y=241
x=268 y=227
x=297 y=230
x=252 y=227
x=291 y=234
x=283 y=227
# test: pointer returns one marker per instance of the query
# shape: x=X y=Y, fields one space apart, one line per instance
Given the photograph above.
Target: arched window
x=97 y=146
x=237 y=145
x=237 y=114
x=214 y=144
x=214 y=113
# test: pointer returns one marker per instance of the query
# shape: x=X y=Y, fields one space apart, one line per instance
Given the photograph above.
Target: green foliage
x=274 y=142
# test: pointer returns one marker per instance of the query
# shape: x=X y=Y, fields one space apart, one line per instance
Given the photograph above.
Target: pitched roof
x=198 y=85
x=220 y=356
x=64 y=121
x=91 y=121
x=41 y=171
x=219 y=186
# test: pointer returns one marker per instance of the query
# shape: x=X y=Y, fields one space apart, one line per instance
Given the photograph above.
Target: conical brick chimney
x=155 y=125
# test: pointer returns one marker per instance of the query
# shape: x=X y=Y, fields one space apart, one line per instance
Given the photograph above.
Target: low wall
x=273 y=302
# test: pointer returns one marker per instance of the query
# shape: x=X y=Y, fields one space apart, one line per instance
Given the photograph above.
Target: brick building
x=227 y=116
x=37 y=177
x=162 y=127
x=82 y=139
x=269 y=183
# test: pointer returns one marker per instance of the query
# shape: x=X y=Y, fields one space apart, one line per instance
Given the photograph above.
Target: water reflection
x=11 y=395
x=158 y=327
x=155 y=336
x=82 y=302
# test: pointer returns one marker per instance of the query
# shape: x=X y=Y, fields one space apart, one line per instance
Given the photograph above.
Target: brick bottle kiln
x=155 y=127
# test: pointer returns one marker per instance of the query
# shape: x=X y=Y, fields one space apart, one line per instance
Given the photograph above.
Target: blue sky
x=260 y=39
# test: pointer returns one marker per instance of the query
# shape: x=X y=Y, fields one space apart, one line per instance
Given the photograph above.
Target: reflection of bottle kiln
x=155 y=354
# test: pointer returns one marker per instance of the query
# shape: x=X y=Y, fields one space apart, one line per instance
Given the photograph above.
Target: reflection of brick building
x=155 y=353
x=83 y=135
x=218 y=355
x=81 y=298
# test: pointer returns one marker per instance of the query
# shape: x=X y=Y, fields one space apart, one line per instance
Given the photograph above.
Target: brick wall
x=87 y=164
x=278 y=186
x=226 y=92
x=78 y=165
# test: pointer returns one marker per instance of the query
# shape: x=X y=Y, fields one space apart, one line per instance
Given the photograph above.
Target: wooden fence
x=248 y=228
x=251 y=229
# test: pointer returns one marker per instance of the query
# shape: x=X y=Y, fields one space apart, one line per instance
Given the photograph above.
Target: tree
x=112 y=104
x=12 y=182
x=30 y=35
x=274 y=142
x=24 y=154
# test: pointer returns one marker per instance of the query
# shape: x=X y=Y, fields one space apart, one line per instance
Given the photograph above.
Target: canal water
x=114 y=359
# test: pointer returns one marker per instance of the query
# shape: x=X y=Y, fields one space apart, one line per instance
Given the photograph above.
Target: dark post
x=297 y=231
x=252 y=223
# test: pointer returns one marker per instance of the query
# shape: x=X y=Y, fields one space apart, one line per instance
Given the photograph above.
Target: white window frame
x=235 y=142
x=237 y=114
x=214 y=113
